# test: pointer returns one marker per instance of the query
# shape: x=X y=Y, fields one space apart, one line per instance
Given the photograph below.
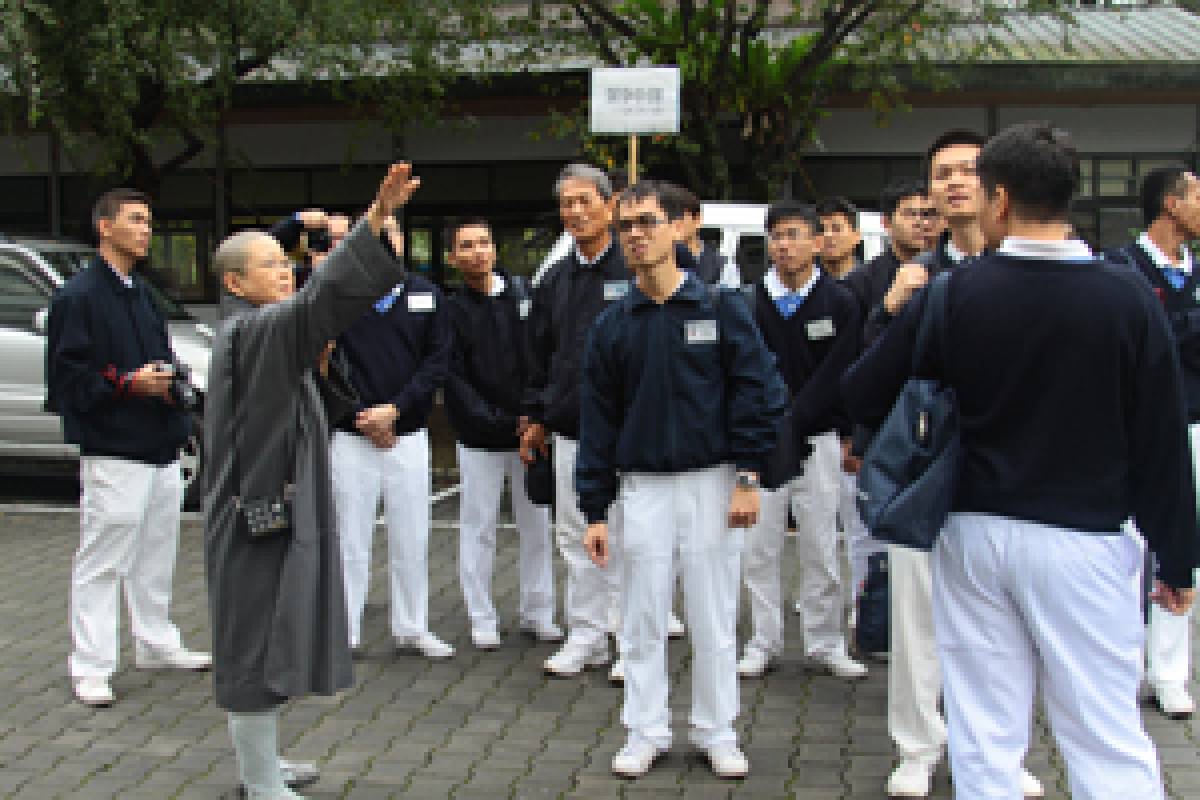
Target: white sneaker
x=911 y=778
x=727 y=760
x=191 y=660
x=675 y=629
x=842 y=665
x=543 y=631
x=485 y=639
x=617 y=673
x=754 y=663
x=426 y=644
x=572 y=658
x=1173 y=700
x=636 y=758
x=94 y=692
x=1031 y=786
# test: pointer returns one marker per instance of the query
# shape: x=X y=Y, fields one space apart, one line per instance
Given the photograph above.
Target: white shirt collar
x=498 y=285
x=1160 y=258
x=776 y=289
x=125 y=279
x=1046 y=250
x=593 y=262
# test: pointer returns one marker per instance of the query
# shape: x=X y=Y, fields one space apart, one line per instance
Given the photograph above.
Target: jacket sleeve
x=539 y=347
x=432 y=372
x=599 y=427
x=72 y=382
x=820 y=396
x=1164 y=495
x=872 y=383
x=462 y=399
x=756 y=395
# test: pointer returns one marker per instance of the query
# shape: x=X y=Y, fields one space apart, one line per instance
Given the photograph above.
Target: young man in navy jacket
x=396 y=356
x=811 y=323
x=1072 y=421
x=1171 y=207
x=488 y=368
x=108 y=375
x=680 y=401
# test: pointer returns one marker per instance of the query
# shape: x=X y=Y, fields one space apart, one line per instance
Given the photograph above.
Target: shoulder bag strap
x=932 y=332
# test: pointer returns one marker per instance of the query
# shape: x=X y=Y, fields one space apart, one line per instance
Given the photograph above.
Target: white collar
x=498 y=284
x=125 y=279
x=1045 y=250
x=776 y=289
x=953 y=253
x=585 y=262
x=1160 y=258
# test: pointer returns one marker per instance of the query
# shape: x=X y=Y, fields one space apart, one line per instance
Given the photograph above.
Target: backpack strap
x=932 y=332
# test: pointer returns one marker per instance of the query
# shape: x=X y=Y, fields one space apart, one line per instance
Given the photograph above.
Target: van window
x=20 y=298
x=751 y=256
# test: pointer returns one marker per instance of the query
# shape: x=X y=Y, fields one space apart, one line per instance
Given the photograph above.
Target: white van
x=739 y=230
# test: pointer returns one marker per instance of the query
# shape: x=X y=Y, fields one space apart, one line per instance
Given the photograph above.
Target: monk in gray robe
x=276 y=599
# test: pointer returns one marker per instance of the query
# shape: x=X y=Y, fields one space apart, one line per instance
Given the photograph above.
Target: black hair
x=465 y=222
x=953 y=138
x=644 y=189
x=839 y=205
x=1157 y=185
x=789 y=210
x=894 y=192
x=619 y=178
x=108 y=205
x=1038 y=166
x=688 y=202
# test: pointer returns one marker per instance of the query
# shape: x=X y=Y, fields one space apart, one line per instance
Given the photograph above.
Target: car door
x=26 y=428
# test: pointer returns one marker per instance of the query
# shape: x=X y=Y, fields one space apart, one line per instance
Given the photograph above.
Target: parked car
x=31 y=438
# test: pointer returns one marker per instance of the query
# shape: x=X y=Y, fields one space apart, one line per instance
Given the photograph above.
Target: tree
x=761 y=78
x=135 y=87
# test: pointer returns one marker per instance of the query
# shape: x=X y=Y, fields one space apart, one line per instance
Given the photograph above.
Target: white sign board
x=635 y=100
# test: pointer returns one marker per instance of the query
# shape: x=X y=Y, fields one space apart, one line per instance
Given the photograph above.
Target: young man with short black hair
x=1171 y=209
x=109 y=373
x=1035 y=582
x=710 y=266
x=680 y=402
x=811 y=324
x=488 y=367
x=840 y=236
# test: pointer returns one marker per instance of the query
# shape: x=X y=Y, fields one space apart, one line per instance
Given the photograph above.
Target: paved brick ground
x=486 y=726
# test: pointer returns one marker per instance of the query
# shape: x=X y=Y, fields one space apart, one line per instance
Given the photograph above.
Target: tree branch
x=598 y=32
x=609 y=18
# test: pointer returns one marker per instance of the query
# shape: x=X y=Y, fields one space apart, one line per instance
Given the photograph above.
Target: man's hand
x=909 y=278
x=377 y=423
x=522 y=425
x=152 y=380
x=395 y=190
x=850 y=462
x=743 y=508
x=313 y=218
x=1177 y=601
x=534 y=438
x=595 y=542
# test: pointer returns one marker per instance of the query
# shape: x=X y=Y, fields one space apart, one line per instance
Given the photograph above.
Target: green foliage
x=121 y=82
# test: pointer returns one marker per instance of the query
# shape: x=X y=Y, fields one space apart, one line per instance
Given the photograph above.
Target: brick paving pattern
x=481 y=726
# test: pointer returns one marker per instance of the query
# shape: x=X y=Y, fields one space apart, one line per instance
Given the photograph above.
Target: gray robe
x=277 y=602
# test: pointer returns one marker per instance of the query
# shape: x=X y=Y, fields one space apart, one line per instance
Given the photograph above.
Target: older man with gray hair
x=271 y=546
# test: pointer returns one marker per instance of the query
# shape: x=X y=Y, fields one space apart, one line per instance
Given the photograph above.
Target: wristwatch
x=747 y=480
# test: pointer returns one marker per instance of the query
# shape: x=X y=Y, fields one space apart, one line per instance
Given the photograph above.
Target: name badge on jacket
x=1196 y=294
x=421 y=303
x=820 y=329
x=523 y=308
x=700 y=331
x=615 y=290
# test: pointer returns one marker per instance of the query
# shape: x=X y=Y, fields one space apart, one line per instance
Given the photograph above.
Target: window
x=20 y=297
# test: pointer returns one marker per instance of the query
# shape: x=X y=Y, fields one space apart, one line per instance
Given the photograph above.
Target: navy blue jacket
x=400 y=356
x=100 y=332
x=488 y=364
x=674 y=387
x=1183 y=312
x=1069 y=395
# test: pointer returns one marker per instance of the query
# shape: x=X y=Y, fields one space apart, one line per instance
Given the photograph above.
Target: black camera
x=184 y=393
x=319 y=240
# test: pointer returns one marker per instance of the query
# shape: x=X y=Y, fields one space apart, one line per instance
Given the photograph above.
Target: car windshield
x=69 y=261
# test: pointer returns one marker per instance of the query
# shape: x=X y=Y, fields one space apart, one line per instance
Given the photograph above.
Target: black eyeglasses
x=645 y=222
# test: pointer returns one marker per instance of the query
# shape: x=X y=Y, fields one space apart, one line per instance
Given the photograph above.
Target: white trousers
x=1020 y=605
x=676 y=524
x=860 y=544
x=914 y=719
x=482 y=474
x=1169 y=636
x=591 y=591
x=128 y=537
x=362 y=473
